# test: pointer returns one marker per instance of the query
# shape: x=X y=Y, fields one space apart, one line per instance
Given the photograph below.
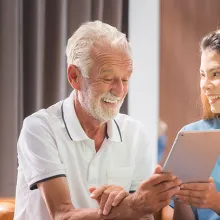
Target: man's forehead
x=105 y=69
x=109 y=60
x=107 y=51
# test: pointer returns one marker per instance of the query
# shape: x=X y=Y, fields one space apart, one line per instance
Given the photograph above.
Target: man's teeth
x=109 y=100
x=213 y=97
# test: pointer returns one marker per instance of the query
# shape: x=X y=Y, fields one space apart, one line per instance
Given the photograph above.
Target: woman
x=202 y=200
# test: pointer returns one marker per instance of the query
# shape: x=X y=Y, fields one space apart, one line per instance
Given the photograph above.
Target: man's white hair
x=80 y=43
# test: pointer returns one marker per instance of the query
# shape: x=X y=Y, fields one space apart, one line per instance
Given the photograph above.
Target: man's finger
x=158 y=169
x=211 y=180
x=108 y=204
x=119 y=198
x=92 y=189
x=167 y=195
x=164 y=186
x=158 y=178
x=103 y=200
x=97 y=192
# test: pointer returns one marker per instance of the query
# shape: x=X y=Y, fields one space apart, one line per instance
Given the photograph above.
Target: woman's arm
x=181 y=211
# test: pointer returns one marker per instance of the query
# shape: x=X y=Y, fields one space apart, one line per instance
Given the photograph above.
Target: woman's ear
x=73 y=76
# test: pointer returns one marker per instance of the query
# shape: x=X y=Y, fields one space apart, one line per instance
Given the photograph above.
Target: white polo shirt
x=52 y=144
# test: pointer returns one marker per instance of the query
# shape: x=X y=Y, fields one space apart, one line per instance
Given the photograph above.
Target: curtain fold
x=33 y=37
x=9 y=93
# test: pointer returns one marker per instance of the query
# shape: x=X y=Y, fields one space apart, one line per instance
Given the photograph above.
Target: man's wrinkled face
x=210 y=78
x=103 y=93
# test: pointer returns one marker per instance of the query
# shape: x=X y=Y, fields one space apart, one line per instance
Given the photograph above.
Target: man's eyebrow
x=210 y=70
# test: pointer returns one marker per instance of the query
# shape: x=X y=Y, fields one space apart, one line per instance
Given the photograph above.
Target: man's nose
x=118 y=88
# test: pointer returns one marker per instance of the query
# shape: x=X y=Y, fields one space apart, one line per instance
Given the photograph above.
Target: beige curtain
x=33 y=36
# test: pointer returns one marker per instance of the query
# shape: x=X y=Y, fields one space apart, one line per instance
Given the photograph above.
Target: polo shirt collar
x=113 y=131
x=74 y=128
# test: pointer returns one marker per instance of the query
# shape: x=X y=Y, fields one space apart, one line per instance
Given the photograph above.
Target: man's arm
x=152 y=195
x=56 y=195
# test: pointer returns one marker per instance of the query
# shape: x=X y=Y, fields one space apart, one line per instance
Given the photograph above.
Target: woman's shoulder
x=207 y=124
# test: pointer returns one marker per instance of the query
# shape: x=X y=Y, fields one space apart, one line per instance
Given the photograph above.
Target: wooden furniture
x=7 y=206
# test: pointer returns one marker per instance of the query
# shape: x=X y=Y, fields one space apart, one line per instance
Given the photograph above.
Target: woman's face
x=210 y=78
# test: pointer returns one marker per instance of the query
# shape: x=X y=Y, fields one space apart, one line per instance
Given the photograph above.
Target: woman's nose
x=206 y=84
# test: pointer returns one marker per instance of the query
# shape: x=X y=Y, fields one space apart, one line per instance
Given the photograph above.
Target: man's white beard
x=91 y=102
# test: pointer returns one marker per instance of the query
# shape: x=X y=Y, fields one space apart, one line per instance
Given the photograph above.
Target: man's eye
x=108 y=79
x=125 y=80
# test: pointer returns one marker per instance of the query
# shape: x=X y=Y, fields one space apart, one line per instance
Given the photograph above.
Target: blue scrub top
x=161 y=147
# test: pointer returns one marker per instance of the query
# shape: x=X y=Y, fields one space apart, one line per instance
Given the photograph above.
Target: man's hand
x=108 y=196
x=200 y=195
x=151 y=196
x=156 y=192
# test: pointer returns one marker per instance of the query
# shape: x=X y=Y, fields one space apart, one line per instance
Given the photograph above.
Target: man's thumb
x=158 y=169
x=92 y=189
x=211 y=180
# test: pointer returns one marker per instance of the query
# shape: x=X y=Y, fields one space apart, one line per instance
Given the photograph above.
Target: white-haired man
x=82 y=145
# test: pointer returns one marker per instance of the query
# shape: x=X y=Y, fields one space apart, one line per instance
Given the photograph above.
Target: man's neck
x=94 y=129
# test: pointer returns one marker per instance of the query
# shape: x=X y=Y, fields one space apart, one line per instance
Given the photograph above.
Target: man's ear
x=73 y=76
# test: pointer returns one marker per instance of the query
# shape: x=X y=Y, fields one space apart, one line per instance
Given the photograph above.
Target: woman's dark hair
x=211 y=41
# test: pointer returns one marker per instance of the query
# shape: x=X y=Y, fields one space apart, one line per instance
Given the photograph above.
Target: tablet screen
x=193 y=155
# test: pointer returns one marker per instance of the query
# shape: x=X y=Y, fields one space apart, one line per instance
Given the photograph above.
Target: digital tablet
x=193 y=155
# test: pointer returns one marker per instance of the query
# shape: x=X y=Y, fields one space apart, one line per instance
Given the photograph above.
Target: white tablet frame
x=193 y=155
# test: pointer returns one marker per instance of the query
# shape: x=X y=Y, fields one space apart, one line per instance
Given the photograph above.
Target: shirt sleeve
x=38 y=155
x=143 y=162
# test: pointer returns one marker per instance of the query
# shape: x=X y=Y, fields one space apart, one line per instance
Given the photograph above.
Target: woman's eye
x=202 y=75
x=216 y=74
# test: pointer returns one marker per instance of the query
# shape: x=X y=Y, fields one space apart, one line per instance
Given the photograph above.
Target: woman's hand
x=200 y=195
x=108 y=196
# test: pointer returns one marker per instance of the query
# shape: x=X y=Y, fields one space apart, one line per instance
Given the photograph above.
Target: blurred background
x=164 y=92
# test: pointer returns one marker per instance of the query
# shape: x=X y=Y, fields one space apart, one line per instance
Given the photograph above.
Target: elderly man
x=82 y=145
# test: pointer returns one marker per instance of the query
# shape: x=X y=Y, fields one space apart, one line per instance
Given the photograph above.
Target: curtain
x=33 y=37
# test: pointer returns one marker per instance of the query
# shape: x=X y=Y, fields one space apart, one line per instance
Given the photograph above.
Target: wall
x=143 y=103
x=182 y=24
